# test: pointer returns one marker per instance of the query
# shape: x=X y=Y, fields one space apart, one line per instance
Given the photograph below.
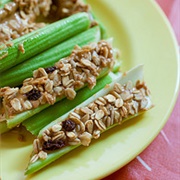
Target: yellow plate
x=144 y=35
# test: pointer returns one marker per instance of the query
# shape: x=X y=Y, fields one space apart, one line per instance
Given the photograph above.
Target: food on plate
x=48 y=85
x=15 y=75
x=37 y=41
x=126 y=97
x=61 y=79
x=35 y=123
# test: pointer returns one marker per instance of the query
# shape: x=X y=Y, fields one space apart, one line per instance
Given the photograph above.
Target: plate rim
x=117 y=166
x=174 y=98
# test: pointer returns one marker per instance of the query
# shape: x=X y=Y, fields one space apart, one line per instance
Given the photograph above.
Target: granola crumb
x=21 y=48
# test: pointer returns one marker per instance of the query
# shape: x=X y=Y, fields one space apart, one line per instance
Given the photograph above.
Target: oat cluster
x=82 y=67
x=85 y=123
x=19 y=17
x=66 y=8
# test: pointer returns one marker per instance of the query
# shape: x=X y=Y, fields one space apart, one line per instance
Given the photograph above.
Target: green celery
x=39 y=164
x=19 y=118
x=134 y=75
x=35 y=123
x=16 y=75
x=43 y=38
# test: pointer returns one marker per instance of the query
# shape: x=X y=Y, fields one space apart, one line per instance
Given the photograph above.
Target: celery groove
x=17 y=74
x=43 y=38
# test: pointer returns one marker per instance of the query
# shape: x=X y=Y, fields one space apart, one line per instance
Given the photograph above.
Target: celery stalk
x=35 y=123
x=134 y=75
x=17 y=74
x=19 y=118
x=34 y=167
x=43 y=39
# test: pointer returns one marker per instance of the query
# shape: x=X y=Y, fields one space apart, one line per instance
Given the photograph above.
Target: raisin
x=33 y=95
x=68 y=125
x=50 y=69
x=53 y=145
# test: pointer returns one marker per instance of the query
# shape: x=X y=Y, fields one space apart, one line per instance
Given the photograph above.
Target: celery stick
x=32 y=168
x=17 y=74
x=134 y=75
x=19 y=118
x=39 y=164
x=35 y=123
x=44 y=38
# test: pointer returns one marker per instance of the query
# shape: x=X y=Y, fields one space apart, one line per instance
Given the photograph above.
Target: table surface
x=161 y=159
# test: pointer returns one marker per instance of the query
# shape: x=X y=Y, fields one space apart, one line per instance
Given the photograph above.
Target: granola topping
x=21 y=17
x=85 y=123
x=61 y=80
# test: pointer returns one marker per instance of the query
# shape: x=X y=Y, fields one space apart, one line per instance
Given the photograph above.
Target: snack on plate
x=15 y=75
x=126 y=97
x=51 y=84
x=61 y=79
x=25 y=15
x=42 y=39
x=35 y=123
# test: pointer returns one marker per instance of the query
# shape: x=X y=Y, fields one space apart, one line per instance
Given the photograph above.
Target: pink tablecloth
x=161 y=160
